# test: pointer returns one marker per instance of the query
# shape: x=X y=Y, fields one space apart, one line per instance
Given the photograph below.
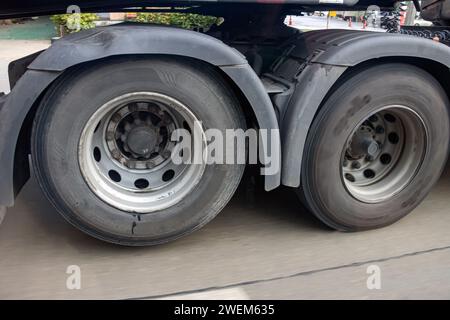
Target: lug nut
x=110 y=135
x=132 y=107
x=116 y=154
x=356 y=165
x=116 y=118
x=150 y=164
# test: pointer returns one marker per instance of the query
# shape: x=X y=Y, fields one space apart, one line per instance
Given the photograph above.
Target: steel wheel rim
x=133 y=184
x=386 y=167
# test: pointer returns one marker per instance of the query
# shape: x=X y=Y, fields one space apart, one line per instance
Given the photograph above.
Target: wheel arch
x=91 y=46
x=330 y=57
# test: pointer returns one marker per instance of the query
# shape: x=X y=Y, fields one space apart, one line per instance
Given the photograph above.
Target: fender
x=123 y=39
x=320 y=58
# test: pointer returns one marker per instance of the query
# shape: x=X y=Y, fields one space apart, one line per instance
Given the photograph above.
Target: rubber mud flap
x=2 y=213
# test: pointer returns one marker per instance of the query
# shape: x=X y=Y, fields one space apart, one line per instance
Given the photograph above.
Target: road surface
x=268 y=247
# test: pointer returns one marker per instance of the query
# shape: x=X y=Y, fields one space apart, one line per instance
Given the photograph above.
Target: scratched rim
x=126 y=152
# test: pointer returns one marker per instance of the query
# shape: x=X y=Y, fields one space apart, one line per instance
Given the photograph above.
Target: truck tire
x=376 y=147
x=102 y=151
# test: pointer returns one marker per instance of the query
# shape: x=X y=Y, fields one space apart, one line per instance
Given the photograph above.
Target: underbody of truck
x=357 y=121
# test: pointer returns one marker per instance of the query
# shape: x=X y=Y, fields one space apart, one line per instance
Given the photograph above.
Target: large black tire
x=68 y=106
x=324 y=188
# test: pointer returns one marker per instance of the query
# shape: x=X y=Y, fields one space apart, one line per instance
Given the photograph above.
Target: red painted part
x=402 y=18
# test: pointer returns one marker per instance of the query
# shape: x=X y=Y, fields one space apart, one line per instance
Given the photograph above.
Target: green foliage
x=70 y=23
x=183 y=20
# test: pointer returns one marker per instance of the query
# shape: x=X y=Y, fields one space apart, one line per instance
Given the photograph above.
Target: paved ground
x=266 y=248
x=14 y=49
x=38 y=29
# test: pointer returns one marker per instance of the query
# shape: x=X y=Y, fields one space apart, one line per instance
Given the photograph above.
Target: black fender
x=129 y=38
x=119 y=40
x=13 y=158
x=315 y=61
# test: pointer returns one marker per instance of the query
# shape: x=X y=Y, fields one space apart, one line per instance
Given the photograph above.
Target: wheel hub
x=383 y=153
x=141 y=141
x=138 y=135
x=363 y=144
x=125 y=152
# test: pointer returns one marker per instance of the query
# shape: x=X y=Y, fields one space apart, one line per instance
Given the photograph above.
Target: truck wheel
x=102 y=148
x=376 y=148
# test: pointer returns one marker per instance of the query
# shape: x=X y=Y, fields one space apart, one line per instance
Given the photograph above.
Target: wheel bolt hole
x=373 y=118
x=369 y=174
x=141 y=184
x=114 y=175
x=389 y=117
x=379 y=130
x=393 y=138
x=349 y=177
x=385 y=158
x=168 y=175
x=97 y=154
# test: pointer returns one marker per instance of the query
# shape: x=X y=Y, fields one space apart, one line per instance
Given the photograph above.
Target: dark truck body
x=436 y=10
x=10 y=9
x=284 y=91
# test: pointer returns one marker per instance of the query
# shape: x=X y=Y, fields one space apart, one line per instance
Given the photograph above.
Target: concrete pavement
x=14 y=49
x=273 y=249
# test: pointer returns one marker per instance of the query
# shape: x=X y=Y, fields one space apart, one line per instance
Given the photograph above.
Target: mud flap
x=2 y=208
x=2 y=213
